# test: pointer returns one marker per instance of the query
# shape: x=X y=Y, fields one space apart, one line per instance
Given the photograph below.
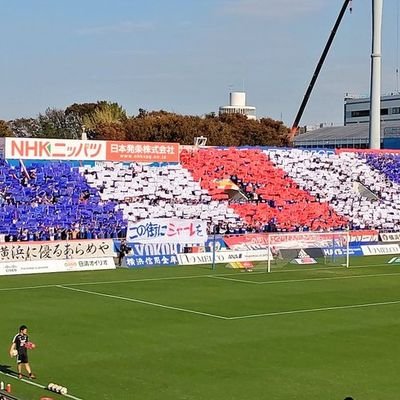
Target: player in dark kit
x=20 y=345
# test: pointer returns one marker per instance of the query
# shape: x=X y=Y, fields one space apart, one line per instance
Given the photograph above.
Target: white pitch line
x=143 y=302
x=224 y=278
x=309 y=310
x=30 y=382
x=177 y=278
x=329 y=278
x=26 y=287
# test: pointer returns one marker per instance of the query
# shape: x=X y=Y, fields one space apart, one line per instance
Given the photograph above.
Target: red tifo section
x=277 y=195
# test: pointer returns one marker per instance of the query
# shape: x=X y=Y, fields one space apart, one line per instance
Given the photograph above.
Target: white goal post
x=291 y=248
x=330 y=248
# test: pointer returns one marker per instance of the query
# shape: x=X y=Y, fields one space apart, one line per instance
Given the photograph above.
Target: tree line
x=109 y=121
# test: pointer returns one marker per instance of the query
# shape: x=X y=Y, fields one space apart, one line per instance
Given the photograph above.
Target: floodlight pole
x=376 y=61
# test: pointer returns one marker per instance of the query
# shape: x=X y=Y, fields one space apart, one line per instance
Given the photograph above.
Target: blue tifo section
x=54 y=200
x=388 y=164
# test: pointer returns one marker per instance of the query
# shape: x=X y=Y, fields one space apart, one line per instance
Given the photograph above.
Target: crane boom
x=296 y=122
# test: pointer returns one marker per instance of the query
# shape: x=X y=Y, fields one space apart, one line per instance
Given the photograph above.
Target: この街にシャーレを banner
x=167 y=230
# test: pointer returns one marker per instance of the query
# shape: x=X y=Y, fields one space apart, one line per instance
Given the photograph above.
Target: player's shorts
x=22 y=358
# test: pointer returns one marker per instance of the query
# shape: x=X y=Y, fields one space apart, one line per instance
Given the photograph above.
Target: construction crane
x=296 y=122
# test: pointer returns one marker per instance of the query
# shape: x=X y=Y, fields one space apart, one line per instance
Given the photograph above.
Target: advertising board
x=58 y=250
x=222 y=257
x=45 y=266
x=380 y=249
x=142 y=152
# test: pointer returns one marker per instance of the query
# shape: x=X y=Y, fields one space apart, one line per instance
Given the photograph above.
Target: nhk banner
x=142 y=152
x=167 y=230
x=60 y=250
x=90 y=150
x=55 y=149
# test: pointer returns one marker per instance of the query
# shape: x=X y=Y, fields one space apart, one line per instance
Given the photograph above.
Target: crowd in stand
x=354 y=187
x=234 y=190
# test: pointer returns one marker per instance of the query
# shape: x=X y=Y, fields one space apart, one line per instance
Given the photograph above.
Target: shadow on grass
x=7 y=369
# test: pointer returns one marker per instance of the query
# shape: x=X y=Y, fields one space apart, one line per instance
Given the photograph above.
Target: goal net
x=309 y=248
x=296 y=249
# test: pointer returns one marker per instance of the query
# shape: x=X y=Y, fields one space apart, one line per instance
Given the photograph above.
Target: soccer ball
x=14 y=353
x=63 y=390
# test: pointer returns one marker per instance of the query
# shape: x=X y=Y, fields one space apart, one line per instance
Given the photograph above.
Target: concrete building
x=355 y=136
x=356 y=109
x=237 y=105
x=355 y=132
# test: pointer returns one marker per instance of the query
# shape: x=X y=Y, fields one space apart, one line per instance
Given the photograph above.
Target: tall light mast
x=376 y=61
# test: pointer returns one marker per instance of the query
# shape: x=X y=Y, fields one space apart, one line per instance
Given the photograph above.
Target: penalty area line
x=310 y=310
x=325 y=278
x=143 y=302
x=30 y=382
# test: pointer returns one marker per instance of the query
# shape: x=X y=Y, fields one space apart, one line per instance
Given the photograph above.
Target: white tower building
x=237 y=105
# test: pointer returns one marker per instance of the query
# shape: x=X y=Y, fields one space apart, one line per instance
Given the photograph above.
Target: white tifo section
x=145 y=191
x=333 y=178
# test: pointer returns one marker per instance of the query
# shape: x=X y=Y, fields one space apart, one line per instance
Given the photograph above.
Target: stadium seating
x=388 y=164
x=271 y=193
x=342 y=181
x=235 y=189
x=166 y=191
x=55 y=200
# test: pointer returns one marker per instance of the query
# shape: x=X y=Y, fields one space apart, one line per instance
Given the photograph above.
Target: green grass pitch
x=192 y=333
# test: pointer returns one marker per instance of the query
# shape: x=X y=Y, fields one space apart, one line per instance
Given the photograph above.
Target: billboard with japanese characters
x=60 y=250
x=167 y=230
x=142 y=152
x=89 y=150
x=44 y=266
x=150 y=261
x=39 y=257
x=55 y=149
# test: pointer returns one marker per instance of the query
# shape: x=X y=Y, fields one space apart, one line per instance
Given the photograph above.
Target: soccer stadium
x=156 y=269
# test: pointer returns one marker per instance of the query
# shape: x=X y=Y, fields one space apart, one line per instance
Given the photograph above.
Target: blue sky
x=186 y=55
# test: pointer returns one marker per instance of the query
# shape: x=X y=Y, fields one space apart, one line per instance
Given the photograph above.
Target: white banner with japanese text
x=45 y=266
x=167 y=230
x=59 y=250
